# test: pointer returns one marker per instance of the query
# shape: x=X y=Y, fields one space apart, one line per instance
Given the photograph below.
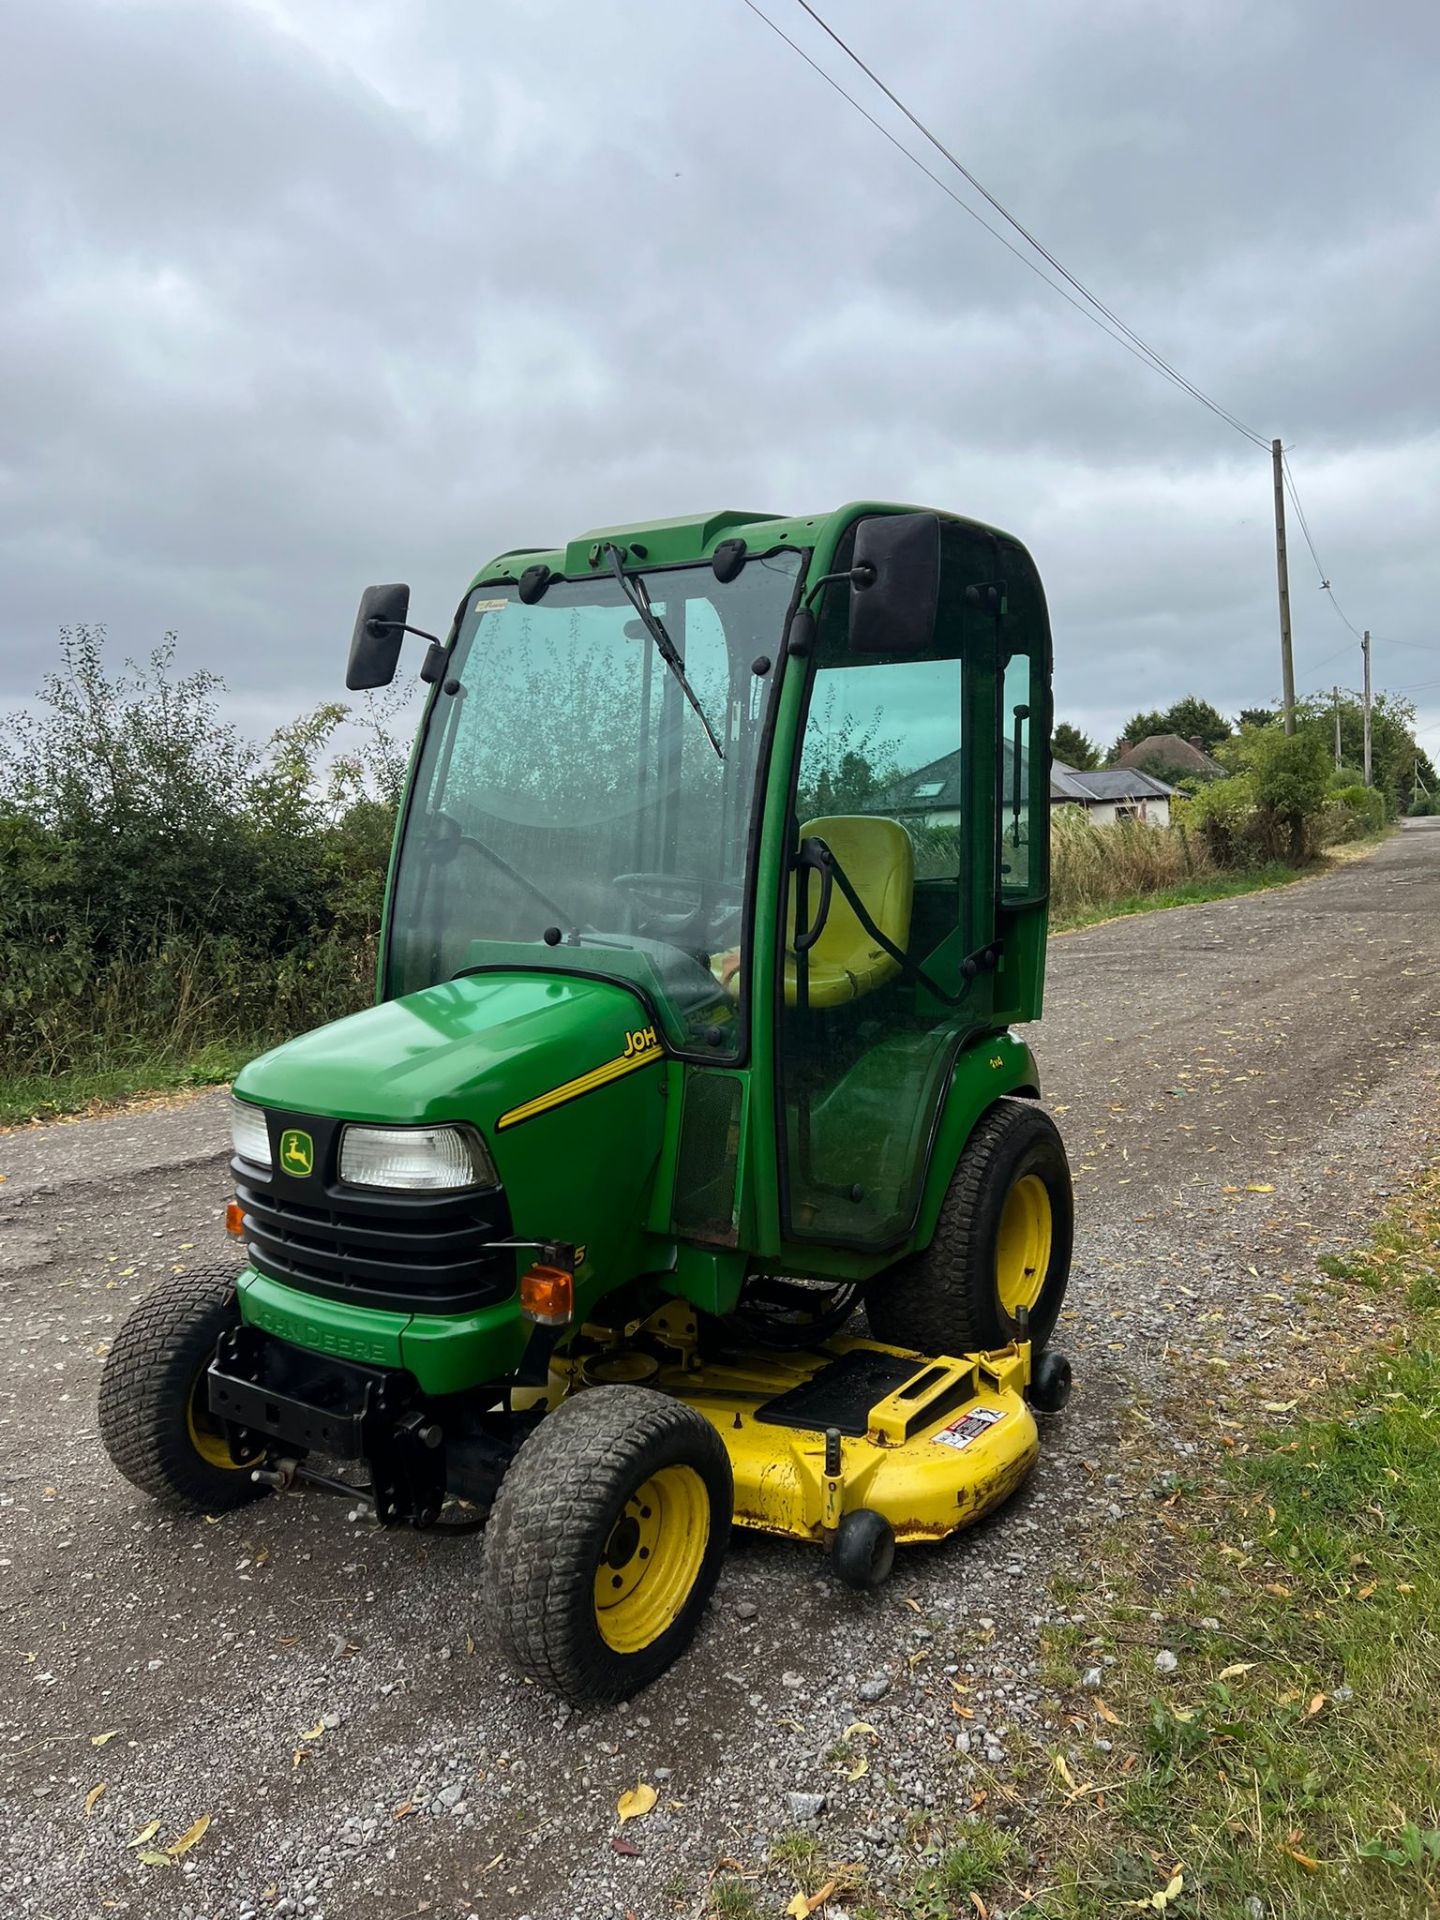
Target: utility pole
x=1365 y=649
x=1336 y=692
x=1282 y=569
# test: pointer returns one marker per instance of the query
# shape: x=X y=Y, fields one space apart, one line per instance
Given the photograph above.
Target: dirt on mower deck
x=1239 y=1084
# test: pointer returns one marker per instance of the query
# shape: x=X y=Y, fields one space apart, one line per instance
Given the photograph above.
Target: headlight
x=249 y=1134
x=414 y=1159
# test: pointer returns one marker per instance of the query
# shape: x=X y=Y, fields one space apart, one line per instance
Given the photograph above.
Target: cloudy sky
x=306 y=293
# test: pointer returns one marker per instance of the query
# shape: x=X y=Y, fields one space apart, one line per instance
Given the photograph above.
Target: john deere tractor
x=718 y=892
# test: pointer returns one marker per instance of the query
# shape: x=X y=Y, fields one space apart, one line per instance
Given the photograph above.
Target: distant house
x=932 y=794
x=1112 y=793
x=1169 y=753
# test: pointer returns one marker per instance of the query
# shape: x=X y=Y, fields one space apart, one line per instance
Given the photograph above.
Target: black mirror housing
x=895 y=583
x=375 y=643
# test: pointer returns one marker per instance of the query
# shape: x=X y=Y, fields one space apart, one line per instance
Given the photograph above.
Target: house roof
x=1112 y=784
x=1168 y=750
x=936 y=788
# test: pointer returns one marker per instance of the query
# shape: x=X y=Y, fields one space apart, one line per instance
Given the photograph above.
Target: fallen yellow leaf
x=317 y=1732
x=1105 y=1714
x=979 y=1905
x=405 y=1806
x=155 y=1860
x=145 y=1833
x=1310 y=1866
x=1233 y=1673
x=188 y=1839
x=804 y=1904
x=637 y=1803
x=93 y=1795
x=862 y=1765
x=1064 y=1771
x=99 y=1739
x=1259 y=1187
x=1314 y=1706
x=858 y=1726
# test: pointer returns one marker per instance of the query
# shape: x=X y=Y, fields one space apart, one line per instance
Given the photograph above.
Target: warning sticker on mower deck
x=968 y=1427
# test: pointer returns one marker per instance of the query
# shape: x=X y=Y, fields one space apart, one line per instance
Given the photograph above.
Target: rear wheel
x=606 y=1541
x=1000 y=1257
x=155 y=1419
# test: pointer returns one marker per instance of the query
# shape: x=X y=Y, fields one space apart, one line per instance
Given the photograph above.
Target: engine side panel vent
x=707 y=1164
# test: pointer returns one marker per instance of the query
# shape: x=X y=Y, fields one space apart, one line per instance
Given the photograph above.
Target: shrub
x=166 y=884
x=1354 y=812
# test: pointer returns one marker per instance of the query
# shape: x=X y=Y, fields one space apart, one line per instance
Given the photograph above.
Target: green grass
x=1217 y=886
x=731 y=1899
x=974 y=1865
x=28 y=1097
x=1294 y=1758
x=800 y=1855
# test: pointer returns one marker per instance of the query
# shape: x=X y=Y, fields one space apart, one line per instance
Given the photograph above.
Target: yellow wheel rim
x=1022 y=1246
x=207 y=1436
x=652 y=1559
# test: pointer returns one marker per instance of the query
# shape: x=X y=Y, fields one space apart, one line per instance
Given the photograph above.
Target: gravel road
x=325 y=1692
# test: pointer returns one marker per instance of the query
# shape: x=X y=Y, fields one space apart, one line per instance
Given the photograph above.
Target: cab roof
x=691 y=537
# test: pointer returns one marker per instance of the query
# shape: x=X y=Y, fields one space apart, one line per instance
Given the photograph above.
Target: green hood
x=472 y=1049
x=564 y=1078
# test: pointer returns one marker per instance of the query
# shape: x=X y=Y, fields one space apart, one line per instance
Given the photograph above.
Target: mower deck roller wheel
x=606 y=1541
x=155 y=1419
x=998 y=1265
x=1050 y=1382
x=864 y=1550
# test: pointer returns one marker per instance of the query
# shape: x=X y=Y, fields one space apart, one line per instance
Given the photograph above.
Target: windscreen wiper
x=633 y=588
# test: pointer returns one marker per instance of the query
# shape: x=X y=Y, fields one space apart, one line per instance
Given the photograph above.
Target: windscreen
x=569 y=809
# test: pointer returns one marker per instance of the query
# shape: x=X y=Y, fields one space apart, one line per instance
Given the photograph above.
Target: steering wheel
x=655 y=897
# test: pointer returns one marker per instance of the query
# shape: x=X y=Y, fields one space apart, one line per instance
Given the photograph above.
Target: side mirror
x=375 y=643
x=895 y=583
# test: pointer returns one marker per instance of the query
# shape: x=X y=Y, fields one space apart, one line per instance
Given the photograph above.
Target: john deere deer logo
x=297 y=1153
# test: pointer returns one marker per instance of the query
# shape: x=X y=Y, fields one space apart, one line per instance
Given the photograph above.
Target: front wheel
x=606 y=1541
x=155 y=1418
x=1000 y=1259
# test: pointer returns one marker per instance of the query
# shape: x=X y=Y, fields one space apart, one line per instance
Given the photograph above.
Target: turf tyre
x=557 y=1509
x=146 y=1388
x=946 y=1298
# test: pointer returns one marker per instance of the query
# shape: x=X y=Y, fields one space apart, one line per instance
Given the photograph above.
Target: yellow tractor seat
x=879 y=862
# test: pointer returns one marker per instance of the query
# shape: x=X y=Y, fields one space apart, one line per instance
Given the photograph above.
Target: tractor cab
x=718 y=889
x=806 y=828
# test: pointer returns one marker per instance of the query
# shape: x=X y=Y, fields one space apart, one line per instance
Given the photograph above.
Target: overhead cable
x=1143 y=346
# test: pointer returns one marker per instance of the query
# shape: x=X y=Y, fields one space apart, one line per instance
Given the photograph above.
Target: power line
x=950 y=192
x=1118 y=330
x=1325 y=585
x=1156 y=358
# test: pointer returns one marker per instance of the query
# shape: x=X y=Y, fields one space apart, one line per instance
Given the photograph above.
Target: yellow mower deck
x=931 y=1443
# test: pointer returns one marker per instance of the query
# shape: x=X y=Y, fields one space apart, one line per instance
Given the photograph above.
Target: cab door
x=892 y=893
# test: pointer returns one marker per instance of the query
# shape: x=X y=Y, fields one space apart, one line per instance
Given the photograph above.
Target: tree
x=1069 y=744
x=1395 y=755
x=1255 y=717
x=1195 y=719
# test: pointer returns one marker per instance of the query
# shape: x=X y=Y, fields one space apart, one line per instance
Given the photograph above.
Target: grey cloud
x=305 y=295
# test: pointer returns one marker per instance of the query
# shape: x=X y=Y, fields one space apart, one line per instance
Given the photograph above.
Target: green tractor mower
x=718 y=890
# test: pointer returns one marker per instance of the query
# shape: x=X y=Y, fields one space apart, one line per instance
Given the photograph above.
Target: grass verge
x=1267 y=1742
x=28 y=1097
x=1190 y=893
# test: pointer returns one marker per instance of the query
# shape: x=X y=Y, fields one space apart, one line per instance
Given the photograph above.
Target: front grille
x=422 y=1255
